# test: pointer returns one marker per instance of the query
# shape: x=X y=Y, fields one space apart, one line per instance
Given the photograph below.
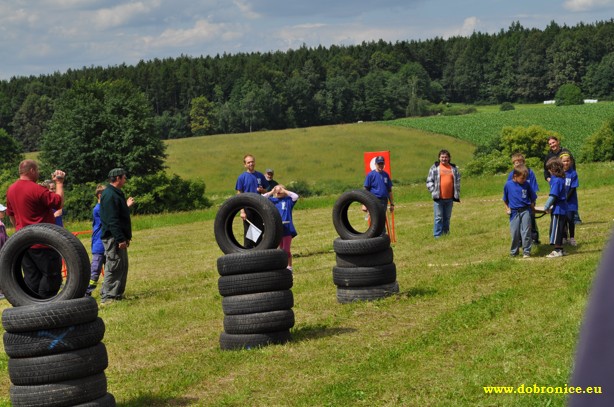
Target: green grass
x=330 y=157
x=573 y=123
x=467 y=316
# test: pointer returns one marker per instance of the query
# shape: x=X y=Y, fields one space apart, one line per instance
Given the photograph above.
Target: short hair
x=521 y=170
x=99 y=189
x=555 y=166
x=517 y=156
x=446 y=152
x=26 y=166
x=248 y=155
x=553 y=138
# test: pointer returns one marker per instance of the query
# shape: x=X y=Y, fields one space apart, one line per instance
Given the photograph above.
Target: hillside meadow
x=467 y=315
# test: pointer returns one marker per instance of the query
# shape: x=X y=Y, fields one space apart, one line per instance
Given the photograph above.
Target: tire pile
x=365 y=268
x=254 y=283
x=56 y=357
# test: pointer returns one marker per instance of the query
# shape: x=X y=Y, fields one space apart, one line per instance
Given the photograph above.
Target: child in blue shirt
x=571 y=183
x=98 y=258
x=556 y=205
x=284 y=201
x=519 y=199
x=519 y=161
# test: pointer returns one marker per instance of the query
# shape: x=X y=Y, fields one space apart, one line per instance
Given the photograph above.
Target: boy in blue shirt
x=519 y=161
x=556 y=205
x=97 y=247
x=571 y=183
x=519 y=199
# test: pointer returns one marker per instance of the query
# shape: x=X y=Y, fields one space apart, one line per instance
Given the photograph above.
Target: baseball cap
x=379 y=159
x=270 y=171
x=116 y=172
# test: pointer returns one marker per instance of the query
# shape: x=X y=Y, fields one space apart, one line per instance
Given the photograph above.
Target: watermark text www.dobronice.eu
x=535 y=389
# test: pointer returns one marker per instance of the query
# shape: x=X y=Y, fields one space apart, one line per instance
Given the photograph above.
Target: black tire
x=258 y=323
x=59 y=239
x=60 y=394
x=249 y=341
x=364 y=276
x=273 y=228
x=240 y=284
x=53 y=315
x=363 y=246
x=376 y=211
x=108 y=400
x=366 y=260
x=59 y=367
x=350 y=294
x=252 y=261
x=51 y=341
x=258 y=302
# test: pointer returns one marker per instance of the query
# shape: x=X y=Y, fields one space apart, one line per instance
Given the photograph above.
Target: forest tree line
x=380 y=80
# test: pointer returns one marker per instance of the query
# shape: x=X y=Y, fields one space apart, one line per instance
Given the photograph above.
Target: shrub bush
x=600 y=145
x=506 y=106
x=569 y=94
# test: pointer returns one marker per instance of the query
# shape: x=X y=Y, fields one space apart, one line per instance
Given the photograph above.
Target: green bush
x=600 y=145
x=156 y=193
x=569 y=94
x=506 y=106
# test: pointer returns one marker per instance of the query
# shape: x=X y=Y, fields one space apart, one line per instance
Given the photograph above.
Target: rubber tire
x=222 y=228
x=51 y=341
x=249 y=341
x=364 y=246
x=257 y=302
x=60 y=394
x=365 y=260
x=108 y=400
x=252 y=261
x=240 y=284
x=53 y=315
x=376 y=212
x=364 y=276
x=56 y=237
x=59 y=367
x=351 y=294
x=260 y=322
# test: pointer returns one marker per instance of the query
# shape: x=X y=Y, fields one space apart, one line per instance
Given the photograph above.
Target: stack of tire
x=365 y=268
x=56 y=357
x=254 y=282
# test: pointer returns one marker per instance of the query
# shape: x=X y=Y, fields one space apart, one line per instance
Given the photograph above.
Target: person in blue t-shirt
x=378 y=182
x=571 y=184
x=251 y=181
x=284 y=201
x=518 y=161
x=556 y=205
x=519 y=199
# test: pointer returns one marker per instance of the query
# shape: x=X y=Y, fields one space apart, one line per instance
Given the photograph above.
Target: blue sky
x=45 y=36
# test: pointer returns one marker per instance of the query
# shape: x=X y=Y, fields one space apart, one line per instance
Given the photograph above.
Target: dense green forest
x=315 y=86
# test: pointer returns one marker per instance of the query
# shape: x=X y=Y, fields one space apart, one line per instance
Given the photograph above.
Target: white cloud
x=586 y=5
x=202 y=31
x=246 y=9
x=470 y=24
x=122 y=14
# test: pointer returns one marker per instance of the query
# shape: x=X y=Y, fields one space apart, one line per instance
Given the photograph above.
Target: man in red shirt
x=29 y=203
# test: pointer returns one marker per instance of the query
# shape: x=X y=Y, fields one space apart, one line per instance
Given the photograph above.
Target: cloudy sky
x=45 y=36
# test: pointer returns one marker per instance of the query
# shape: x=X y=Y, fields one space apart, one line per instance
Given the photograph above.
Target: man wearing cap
x=378 y=182
x=29 y=203
x=268 y=174
x=116 y=234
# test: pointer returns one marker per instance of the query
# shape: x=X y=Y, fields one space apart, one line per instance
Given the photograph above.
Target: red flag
x=370 y=161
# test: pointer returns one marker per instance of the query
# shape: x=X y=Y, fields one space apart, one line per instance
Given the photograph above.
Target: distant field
x=573 y=123
x=326 y=156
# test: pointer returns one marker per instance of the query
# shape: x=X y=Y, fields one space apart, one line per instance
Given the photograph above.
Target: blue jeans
x=443 y=213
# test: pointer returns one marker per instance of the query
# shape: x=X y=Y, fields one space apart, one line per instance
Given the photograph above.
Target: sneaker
x=555 y=253
x=526 y=256
x=573 y=242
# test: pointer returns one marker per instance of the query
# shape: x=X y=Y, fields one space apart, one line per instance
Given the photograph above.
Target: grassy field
x=467 y=315
x=573 y=123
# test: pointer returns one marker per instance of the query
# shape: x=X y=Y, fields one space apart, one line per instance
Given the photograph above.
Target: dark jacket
x=115 y=215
